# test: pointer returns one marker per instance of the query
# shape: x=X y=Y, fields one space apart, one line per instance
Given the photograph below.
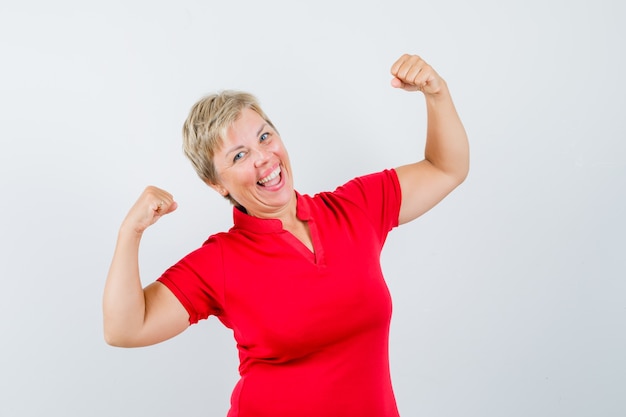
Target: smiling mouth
x=270 y=179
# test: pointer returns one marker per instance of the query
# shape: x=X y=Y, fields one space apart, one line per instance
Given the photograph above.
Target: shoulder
x=376 y=180
x=365 y=187
x=376 y=195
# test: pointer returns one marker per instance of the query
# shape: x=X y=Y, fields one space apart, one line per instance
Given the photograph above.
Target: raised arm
x=446 y=156
x=134 y=316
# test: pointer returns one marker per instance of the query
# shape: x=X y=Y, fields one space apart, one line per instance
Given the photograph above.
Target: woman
x=297 y=278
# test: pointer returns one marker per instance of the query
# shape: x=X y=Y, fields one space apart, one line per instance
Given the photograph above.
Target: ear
x=219 y=188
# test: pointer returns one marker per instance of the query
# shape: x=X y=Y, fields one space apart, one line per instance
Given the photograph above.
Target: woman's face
x=253 y=167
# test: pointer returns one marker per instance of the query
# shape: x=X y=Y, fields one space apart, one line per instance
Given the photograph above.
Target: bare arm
x=446 y=157
x=134 y=316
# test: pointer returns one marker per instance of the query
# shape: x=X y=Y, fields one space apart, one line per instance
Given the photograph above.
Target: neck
x=286 y=214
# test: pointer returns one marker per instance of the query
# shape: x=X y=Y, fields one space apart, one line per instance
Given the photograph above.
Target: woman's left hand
x=412 y=73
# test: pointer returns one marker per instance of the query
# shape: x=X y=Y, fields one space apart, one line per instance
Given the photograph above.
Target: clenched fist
x=152 y=204
x=412 y=73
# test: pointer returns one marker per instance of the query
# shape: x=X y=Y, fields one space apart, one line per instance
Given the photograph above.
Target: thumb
x=173 y=206
x=397 y=83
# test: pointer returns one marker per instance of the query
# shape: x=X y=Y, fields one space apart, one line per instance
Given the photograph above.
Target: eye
x=238 y=156
x=264 y=137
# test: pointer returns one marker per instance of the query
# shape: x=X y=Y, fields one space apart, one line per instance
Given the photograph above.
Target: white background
x=509 y=297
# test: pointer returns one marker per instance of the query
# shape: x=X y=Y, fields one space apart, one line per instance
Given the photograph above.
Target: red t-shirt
x=311 y=328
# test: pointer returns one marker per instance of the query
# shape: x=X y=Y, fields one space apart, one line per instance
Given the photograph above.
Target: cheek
x=241 y=177
x=280 y=150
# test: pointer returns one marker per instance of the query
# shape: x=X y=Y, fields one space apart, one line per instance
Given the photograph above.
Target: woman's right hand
x=152 y=204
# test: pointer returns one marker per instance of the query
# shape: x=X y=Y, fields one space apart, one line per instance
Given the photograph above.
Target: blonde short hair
x=206 y=125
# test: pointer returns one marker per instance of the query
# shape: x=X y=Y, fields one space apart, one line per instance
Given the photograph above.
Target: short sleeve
x=197 y=280
x=378 y=195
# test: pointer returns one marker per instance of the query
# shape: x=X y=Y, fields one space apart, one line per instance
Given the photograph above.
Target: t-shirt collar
x=255 y=224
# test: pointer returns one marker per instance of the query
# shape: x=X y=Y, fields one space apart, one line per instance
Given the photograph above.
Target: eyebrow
x=261 y=129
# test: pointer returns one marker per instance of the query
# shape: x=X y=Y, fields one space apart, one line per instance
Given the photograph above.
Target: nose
x=261 y=156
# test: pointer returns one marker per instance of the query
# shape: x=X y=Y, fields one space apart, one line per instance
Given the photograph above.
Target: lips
x=272 y=179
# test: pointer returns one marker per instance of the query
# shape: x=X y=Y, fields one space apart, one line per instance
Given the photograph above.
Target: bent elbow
x=462 y=176
x=461 y=172
x=112 y=340
x=116 y=338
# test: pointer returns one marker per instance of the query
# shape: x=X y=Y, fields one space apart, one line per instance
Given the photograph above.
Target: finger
x=399 y=62
x=411 y=71
x=403 y=69
x=414 y=74
x=406 y=65
x=397 y=83
x=428 y=81
x=164 y=206
x=157 y=198
x=159 y=206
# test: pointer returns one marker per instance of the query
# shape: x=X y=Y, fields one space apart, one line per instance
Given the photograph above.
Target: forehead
x=245 y=126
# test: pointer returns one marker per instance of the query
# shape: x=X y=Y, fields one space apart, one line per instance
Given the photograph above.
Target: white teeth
x=270 y=177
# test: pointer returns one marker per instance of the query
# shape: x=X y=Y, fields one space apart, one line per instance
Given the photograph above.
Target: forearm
x=124 y=301
x=447 y=147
